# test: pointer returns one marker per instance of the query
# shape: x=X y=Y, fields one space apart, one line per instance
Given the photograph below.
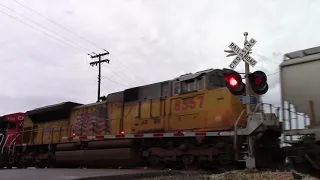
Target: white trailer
x=300 y=92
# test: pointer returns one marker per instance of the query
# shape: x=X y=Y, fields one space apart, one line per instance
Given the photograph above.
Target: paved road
x=62 y=174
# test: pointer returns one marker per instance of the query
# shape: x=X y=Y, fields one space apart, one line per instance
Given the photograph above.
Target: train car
x=299 y=75
x=189 y=121
x=11 y=129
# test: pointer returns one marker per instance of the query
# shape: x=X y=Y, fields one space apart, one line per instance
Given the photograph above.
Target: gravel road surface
x=236 y=175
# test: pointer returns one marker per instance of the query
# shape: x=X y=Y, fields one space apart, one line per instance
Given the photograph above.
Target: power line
x=65 y=39
x=73 y=34
x=132 y=71
x=115 y=81
x=109 y=79
x=43 y=32
x=66 y=30
x=272 y=73
x=61 y=42
x=76 y=69
x=44 y=27
x=65 y=44
x=122 y=77
x=115 y=72
x=58 y=25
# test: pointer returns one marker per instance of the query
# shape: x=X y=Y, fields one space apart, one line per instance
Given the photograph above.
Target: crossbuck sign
x=242 y=54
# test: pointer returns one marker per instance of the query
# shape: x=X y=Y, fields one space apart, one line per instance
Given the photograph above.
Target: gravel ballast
x=237 y=175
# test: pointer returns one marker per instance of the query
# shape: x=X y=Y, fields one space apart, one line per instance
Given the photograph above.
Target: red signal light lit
x=73 y=134
x=233 y=82
x=122 y=132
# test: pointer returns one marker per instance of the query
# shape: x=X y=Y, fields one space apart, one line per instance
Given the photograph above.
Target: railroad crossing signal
x=237 y=87
x=242 y=54
x=258 y=82
x=233 y=81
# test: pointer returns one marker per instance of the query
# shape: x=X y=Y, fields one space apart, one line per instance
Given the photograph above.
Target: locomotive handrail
x=239 y=117
x=5 y=143
x=257 y=106
x=14 y=140
x=35 y=135
x=270 y=105
x=61 y=130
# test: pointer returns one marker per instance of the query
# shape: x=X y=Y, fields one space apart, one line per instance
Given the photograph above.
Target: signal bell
x=258 y=82
x=234 y=82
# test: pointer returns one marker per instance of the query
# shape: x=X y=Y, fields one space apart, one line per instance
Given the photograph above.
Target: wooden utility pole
x=95 y=63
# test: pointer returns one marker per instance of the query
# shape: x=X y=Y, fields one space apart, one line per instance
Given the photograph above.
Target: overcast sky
x=149 y=41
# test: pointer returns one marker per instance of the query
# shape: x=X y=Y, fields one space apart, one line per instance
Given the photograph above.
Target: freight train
x=188 y=122
x=299 y=74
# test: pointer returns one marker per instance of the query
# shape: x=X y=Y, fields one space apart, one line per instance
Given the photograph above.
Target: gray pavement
x=68 y=174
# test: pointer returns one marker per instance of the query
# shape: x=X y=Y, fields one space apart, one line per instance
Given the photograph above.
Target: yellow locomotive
x=162 y=124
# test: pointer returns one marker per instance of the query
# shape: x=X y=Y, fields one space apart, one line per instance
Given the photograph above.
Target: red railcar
x=11 y=127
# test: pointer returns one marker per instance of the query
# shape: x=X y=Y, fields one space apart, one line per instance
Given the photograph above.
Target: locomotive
x=188 y=122
x=11 y=128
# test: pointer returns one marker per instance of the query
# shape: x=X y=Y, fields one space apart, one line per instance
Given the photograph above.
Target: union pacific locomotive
x=188 y=122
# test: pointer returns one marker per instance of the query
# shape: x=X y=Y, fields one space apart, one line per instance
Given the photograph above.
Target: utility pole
x=95 y=63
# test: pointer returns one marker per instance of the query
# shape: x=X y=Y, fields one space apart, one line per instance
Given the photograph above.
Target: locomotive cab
x=11 y=131
x=203 y=103
x=13 y=128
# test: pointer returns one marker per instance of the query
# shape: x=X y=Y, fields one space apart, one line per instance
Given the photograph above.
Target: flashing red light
x=233 y=82
x=73 y=134
x=122 y=132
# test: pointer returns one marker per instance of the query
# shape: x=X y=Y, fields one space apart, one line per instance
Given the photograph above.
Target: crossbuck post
x=247 y=71
x=243 y=55
x=248 y=105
